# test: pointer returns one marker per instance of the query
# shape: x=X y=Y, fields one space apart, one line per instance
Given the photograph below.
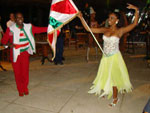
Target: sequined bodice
x=111 y=45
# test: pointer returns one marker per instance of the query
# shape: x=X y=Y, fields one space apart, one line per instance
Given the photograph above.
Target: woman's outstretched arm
x=131 y=26
x=94 y=30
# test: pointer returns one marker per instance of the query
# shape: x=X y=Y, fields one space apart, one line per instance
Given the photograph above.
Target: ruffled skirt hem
x=112 y=72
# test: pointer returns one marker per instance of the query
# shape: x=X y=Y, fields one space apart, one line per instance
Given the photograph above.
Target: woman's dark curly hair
x=120 y=17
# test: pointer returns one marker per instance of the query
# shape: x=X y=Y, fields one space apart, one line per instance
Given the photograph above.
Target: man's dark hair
x=17 y=14
x=117 y=15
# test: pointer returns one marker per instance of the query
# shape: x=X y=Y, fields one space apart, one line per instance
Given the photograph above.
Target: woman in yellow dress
x=112 y=76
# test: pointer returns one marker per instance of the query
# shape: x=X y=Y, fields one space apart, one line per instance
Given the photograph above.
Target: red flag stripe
x=50 y=36
x=64 y=7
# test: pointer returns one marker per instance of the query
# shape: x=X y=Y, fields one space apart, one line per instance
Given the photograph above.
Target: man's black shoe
x=63 y=58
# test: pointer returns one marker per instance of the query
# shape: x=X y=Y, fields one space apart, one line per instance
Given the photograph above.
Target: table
x=45 y=51
x=82 y=39
x=2 y=48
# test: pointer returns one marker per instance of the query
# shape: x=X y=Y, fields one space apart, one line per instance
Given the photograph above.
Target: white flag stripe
x=55 y=1
x=61 y=17
x=50 y=28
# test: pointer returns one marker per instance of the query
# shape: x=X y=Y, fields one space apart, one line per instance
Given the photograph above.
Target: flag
x=61 y=12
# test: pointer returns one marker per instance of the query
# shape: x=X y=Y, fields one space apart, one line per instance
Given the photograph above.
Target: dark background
x=37 y=11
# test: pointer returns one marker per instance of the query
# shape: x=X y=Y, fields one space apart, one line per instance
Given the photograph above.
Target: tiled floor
x=63 y=88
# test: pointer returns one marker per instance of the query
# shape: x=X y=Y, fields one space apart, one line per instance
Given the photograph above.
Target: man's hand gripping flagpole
x=93 y=35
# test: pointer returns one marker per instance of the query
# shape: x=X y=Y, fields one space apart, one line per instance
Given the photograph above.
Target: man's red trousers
x=21 y=72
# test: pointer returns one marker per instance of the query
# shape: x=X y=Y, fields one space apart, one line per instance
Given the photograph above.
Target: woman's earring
x=116 y=22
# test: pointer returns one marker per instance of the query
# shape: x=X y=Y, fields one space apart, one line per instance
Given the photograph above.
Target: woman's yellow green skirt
x=112 y=72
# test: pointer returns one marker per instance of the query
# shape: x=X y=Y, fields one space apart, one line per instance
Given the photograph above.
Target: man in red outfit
x=21 y=38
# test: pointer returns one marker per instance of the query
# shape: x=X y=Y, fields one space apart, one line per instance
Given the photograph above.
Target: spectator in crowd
x=1 y=34
x=59 y=49
x=1 y=31
x=87 y=12
x=11 y=21
x=91 y=41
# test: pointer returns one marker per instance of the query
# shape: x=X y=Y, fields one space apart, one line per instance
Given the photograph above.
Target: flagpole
x=93 y=36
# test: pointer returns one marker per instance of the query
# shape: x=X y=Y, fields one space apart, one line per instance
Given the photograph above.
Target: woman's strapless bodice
x=111 y=45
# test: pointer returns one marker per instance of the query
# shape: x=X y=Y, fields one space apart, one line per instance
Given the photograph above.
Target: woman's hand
x=130 y=6
x=79 y=15
x=135 y=22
